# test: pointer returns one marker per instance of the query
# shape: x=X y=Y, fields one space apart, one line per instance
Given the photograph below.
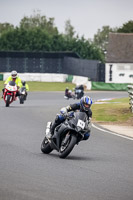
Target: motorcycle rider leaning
x=14 y=77
x=84 y=106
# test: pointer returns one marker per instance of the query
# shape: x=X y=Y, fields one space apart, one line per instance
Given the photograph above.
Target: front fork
x=66 y=138
x=12 y=96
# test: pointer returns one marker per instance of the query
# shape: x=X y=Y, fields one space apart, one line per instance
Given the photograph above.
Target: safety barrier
x=130 y=92
x=49 y=77
x=1 y=77
x=109 y=86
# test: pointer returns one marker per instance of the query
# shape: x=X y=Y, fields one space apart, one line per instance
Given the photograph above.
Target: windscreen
x=12 y=83
x=78 y=115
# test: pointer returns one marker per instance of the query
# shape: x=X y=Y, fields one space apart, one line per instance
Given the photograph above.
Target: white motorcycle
x=23 y=94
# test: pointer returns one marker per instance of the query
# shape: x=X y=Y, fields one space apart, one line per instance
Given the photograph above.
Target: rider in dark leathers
x=84 y=106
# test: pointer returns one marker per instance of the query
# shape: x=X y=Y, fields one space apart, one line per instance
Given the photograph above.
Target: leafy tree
x=37 y=39
x=5 y=27
x=69 y=30
x=26 y=40
x=58 y=43
x=38 y=21
x=126 y=28
x=101 y=38
x=37 y=33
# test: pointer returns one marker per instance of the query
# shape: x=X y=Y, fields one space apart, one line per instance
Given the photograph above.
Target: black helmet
x=23 y=82
x=85 y=103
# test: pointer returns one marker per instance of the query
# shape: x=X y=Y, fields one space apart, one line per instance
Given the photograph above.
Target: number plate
x=81 y=124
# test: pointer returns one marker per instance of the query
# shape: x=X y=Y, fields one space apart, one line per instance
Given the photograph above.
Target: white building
x=119 y=58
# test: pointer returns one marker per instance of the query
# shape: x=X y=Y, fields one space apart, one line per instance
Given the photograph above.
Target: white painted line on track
x=129 y=138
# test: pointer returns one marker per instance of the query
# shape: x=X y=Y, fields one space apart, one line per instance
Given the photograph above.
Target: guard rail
x=130 y=92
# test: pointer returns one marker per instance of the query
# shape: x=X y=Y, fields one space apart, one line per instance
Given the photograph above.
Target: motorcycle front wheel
x=45 y=146
x=8 y=100
x=65 y=150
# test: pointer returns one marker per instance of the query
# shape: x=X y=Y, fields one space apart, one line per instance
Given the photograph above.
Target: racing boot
x=48 y=130
x=51 y=127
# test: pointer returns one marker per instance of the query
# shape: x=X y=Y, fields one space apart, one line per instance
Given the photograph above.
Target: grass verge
x=116 y=111
x=46 y=86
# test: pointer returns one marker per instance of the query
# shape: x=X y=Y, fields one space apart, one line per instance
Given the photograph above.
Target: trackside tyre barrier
x=130 y=92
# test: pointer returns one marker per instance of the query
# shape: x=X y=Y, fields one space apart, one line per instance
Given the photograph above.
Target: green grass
x=46 y=86
x=1 y=85
x=113 y=112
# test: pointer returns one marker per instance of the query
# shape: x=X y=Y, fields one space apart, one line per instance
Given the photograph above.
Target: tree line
x=39 y=33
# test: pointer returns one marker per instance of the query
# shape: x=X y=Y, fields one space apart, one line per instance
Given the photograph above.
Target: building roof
x=120 y=48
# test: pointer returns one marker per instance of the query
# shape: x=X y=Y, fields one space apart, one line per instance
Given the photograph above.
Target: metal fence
x=130 y=92
x=52 y=62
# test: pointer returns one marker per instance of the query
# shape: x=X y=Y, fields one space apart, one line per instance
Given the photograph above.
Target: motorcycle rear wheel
x=45 y=146
x=21 y=99
x=65 y=151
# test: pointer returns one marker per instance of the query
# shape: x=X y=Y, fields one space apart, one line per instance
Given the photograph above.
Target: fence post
x=130 y=92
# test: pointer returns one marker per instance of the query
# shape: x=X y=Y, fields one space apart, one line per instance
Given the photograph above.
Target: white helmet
x=14 y=74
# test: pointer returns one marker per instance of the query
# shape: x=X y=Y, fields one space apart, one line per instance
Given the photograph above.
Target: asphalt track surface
x=98 y=169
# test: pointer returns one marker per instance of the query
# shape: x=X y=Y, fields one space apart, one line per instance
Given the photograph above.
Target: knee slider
x=59 y=118
x=86 y=136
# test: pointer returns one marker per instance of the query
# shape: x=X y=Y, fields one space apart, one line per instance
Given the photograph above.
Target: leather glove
x=64 y=112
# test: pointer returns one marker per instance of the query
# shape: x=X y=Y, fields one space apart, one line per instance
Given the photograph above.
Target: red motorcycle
x=10 y=93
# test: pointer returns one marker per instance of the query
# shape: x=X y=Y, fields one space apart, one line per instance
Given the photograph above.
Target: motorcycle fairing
x=69 y=125
x=10 y=89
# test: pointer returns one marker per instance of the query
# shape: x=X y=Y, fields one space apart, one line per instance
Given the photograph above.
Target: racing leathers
x=73 y=107
x=17 y=81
